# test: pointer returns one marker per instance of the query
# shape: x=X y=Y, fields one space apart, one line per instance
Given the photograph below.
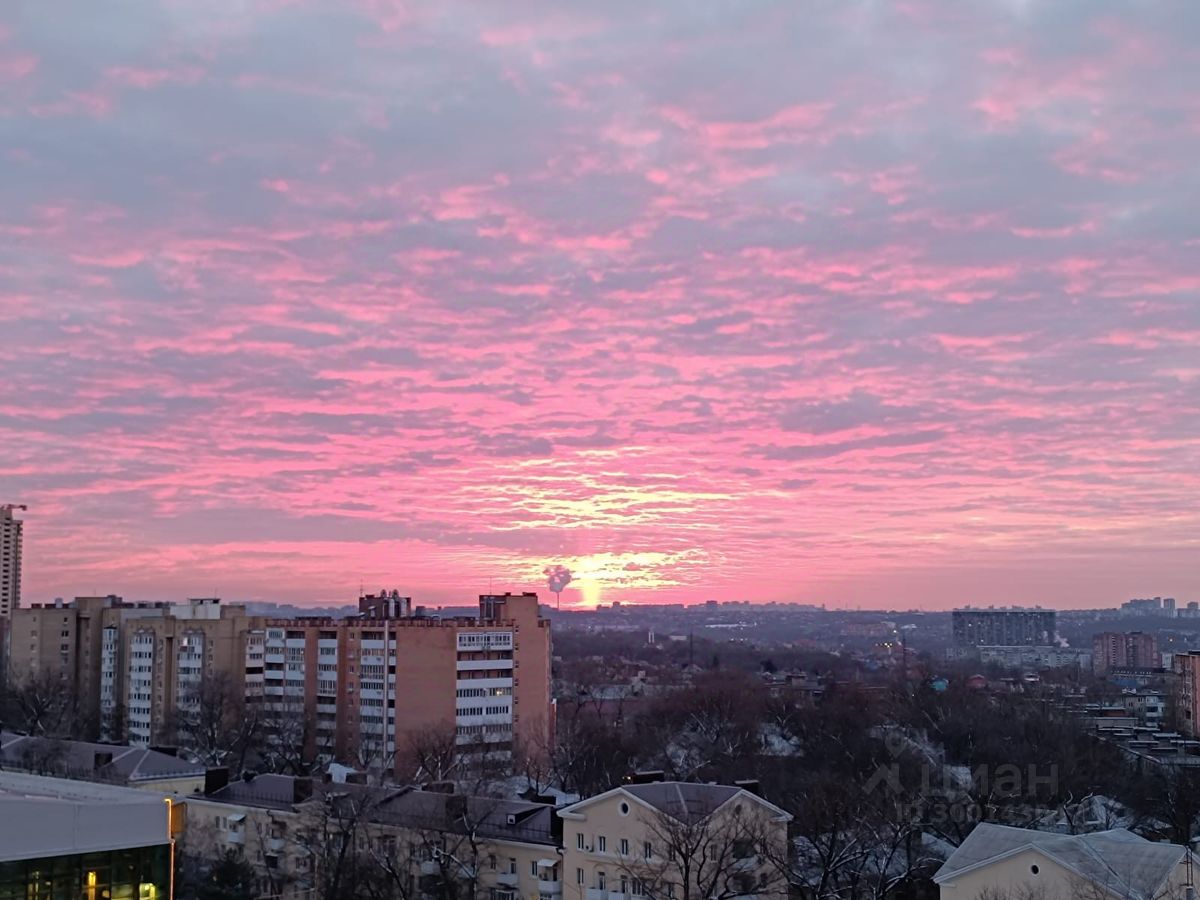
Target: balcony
x=235 y=837
x=745 y=864
x=552 y=887
x=275 y=845
x=596 y=894
x=430 y=867
x=480 y=665
x=508 y=879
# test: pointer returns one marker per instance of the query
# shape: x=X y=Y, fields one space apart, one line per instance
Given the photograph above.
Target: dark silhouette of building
x=1010 y=626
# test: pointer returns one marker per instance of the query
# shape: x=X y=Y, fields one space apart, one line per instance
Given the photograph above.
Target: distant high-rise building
x=1004 y=627
x=1134 y=649
x=1149 y=606
x=10 y=560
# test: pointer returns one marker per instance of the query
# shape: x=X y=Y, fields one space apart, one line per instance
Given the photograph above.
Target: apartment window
x=624 y=847
x=601 y=844
x=492 y=862
x=579 y=841
x=601 y=881
x=670 y=890
x=533 y=868
x=512 y=866
x=624 y=885
x=579 y=876
x=639 y=887
x=743 y=849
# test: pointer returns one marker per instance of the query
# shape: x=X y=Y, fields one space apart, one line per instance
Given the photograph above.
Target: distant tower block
x=10 y=559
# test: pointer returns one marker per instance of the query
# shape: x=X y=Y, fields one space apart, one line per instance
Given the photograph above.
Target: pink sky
x=848 y=302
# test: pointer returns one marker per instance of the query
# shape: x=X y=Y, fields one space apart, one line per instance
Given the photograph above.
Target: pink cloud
x=475 y=290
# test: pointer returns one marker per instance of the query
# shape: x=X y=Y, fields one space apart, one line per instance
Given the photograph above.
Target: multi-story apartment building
x=10 y=559
x=1003 y=627
x=1186 y=667
x=373 y=684
x=360 y=689
x=1133 y=649
x=157 y=665
x=130 y=667
x=1039 y=658
x=300 y=837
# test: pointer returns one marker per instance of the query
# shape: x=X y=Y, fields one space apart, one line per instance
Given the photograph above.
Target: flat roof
x=42 y=817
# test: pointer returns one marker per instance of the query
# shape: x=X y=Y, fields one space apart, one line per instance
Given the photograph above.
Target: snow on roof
x=1116 y=860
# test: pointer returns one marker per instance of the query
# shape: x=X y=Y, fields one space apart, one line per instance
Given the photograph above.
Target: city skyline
x=886 y=304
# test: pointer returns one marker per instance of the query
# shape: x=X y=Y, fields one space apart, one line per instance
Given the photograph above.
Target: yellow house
x=674 y=841
x=997 y=862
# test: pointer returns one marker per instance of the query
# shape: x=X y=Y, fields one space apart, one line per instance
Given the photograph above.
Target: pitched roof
x=682 y=800
x=1117 y=860
x=88 y=760
x=516 y=820
x=407 y=807
x=267 y=791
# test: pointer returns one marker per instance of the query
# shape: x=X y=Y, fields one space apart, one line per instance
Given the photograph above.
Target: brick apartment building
x=1133 y=649
x=129 y=666
x=374 y=682
x=1186 y=667
x=359 y=688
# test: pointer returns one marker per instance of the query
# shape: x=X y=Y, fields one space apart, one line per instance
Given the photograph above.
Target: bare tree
x=218 y=726
x=430 y=754
x=711 y=855
x=276 y=845
x=453 y=848
x=588 y=757
x=39 y=702
x=357 y=848
x=290 y=743
x=43 y=756
x=375 y=755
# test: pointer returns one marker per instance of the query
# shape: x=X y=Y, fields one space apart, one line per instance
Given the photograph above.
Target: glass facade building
x=142 y=873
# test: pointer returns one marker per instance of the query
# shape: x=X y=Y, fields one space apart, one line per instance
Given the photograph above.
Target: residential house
x=997 y=861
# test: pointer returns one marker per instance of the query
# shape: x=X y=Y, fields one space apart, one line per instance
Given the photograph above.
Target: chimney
x=100 y=759
x=456 y=807
x=302 y=789
x=750 y=785
x=215 y=779
x=649 y=776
